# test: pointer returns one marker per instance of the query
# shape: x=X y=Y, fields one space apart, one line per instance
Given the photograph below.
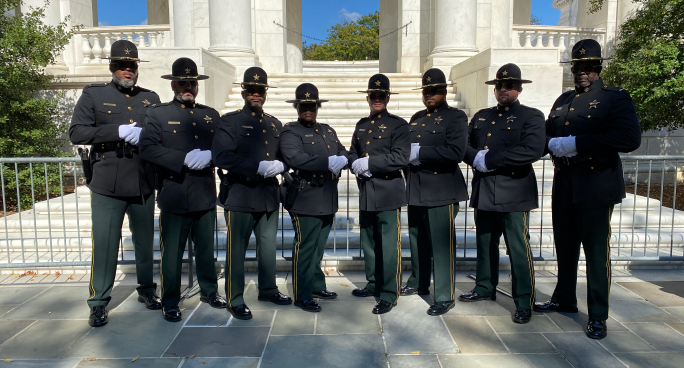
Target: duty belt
x=317 y=178
x=121 y=148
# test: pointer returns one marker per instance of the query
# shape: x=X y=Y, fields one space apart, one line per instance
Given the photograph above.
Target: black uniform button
x=109 y=112
x=512 y=173
x=586 y=89
x=379 y=116
x=589 y=116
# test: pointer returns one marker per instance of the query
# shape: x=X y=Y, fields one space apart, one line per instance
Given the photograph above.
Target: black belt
x=317 y=178
x=387 y=176
x=121 y=148
x=236 y=178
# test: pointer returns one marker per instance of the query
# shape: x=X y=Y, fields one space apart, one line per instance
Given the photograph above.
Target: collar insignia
x=378 y=83
x=594 y=104
x=127 y=51
x=256 y=76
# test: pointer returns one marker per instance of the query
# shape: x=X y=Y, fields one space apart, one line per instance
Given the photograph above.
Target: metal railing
x=49 y=224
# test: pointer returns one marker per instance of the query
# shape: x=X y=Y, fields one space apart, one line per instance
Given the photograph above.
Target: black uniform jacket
x=244 y=139
x=604 y=122
x=172 y=130
x=305 y=148
x=385 y=138
x=515 y=138
x=98 y=113
x=443 y=135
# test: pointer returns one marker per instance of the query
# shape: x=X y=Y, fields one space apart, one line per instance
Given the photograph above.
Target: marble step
x=286 y=112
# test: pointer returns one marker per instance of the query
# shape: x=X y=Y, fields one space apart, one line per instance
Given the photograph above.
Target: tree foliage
x=349 y=41
x=648 y=61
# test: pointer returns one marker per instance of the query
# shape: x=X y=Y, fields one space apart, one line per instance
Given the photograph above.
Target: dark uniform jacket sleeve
x=528 y=150
x=83 y=129
x=470 y=151
x=152 y=150
x=224 y=149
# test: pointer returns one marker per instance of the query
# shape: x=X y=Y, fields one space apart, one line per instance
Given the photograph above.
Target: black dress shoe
x=522 y=315
x=276 y=298
x=440 y=308
x=325 y=294
x=172 y=314
x=596 y=329
x=474 y=297
x=550 y=306
x=151 y=301
x=407 y=290
x=383 y=306
x=362 y=293
x=240 y=312
x=98 y=316
x=308 y=305
x=215 y=300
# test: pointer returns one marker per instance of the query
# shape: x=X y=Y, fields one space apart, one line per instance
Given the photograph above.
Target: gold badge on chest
x=438 y=120
x=510 y=119
x=593 y=104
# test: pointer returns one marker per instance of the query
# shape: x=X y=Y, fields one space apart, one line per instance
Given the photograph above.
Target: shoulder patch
x=231 y=113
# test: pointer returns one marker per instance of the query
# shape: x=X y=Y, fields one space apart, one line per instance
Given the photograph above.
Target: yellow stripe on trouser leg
x=398 y=255
x=230 y=258
x=526 y=231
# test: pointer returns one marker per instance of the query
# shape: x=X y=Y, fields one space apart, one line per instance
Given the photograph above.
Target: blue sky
x=317 y=15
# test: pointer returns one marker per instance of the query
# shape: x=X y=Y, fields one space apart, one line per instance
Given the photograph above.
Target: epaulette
x=232 y=112
x=161 y=104
x=271 y=116
x=146 y=90
x=614 y=89
x=97 y=85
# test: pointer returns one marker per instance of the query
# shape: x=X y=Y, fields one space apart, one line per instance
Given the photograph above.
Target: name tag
x=362 y=130
x=309 y=135
x=481 y=119
x=559 y=108
x=174 y=122
x=414 y=123
x=248 y=127
x=109 y=104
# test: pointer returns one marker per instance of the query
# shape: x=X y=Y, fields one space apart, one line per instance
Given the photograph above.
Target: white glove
x=415 y=152
x=366 y=173
x=190 y=157
x=134 y=137
x=276 y=168
x=360 y=165
x=202 y=159
x=563 y=146
x=263 y=166
x=479 y=161
x=127 y=130
x=336 y=163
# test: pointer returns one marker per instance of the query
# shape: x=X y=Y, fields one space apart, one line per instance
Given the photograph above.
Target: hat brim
x=378 y=90
x=253 y=84
x=306 y=101
x=174 y=78
x=586 y=59
x=514 y=80
x=127 y=59
x=433 y=85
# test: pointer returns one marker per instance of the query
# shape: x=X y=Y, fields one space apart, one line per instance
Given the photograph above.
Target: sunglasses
x=377 y=96
x=121 y=65
x=307 y=107
x=507 y=85
x=187 y=83
x=255 y=90
x=433 y=91
x=585 y=69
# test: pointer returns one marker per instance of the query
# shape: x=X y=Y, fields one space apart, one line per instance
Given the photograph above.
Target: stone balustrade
x=561 y=38
x=97 y=41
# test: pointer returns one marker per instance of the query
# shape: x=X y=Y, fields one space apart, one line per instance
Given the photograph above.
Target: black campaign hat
x=184 y=69
x=508 y=73
x=434 y=78
x=124 y=50
x=306 y=93
x=586 y=50
x=379 y=83
x=255 y=76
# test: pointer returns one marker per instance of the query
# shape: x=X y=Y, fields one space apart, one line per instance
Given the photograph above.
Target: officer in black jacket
x=380 y=149
x=109 y=117
x=503 y=142
x=246 y=145
x=586 y=129
x=435 y=186
x=317 y=156
x=177 y=139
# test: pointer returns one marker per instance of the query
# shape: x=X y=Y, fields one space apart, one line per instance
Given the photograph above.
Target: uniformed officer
x=435 y=186
x=503 y=142
x=380 y=149
x=109 y=117
x=177 y=139
x=246 y=145
x=586 y=129
x=317 y=156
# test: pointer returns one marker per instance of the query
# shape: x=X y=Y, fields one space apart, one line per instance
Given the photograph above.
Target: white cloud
x=346 y=15
x=144 y=22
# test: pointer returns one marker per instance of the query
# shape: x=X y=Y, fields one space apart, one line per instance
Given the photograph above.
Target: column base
x=445 y=61
x=241 y=59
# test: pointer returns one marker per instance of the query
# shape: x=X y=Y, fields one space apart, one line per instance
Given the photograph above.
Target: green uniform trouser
x=433 y=245
x=311 y=234
x=381 y=243
x=173 y=236
x=240 y=227
x=107 y=218
x=515 y=228
x=591 y=228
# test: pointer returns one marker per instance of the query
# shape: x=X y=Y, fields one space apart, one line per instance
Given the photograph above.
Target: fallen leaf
x=415 y=352
x=136 y=358
x=49 y=312
x=218 y=325
x=183 y=310
x=203 y=362
x=57 y=274
x=191 y=356
x=45 y=274
x=7 y=360
x=174 y=354
x=344 y=284
x=92 y=359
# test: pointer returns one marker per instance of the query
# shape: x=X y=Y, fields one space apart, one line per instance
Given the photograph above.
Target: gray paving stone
x=530 y=343
x=347 y=318
x=582 y=351
x=675 y=311
x=44 y=340
x=251 y=296
x=625 y=342
x=131 y=304
x=340 y=351
x=473 y=335
x=140 y=363
x=260 y=319
x=660 y=293
x=207 y=316
x=343 y=287
x=59 y=302
x=653 y=360
x=127 y=335
x=548 y=361
x=221 y=363
x=428 y=334
x=293 y=322
x=483 y=308
x=538 y=323
x=640 y=311
x=545 y=290
x=660 y=335
x=485 y=361
x=576 y=322
x=45 y=363
x=412 y=361
x=6 y=308
x=11 y=328
x=10 y=295
x=677 y=326
x=217 y=342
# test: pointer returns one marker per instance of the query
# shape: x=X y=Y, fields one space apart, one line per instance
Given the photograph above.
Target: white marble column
x=501 y=23
x=455 y=33
x=52 y=18
x=230 y=32
x=568 y=9
x=294 y=41
x=182 y=23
